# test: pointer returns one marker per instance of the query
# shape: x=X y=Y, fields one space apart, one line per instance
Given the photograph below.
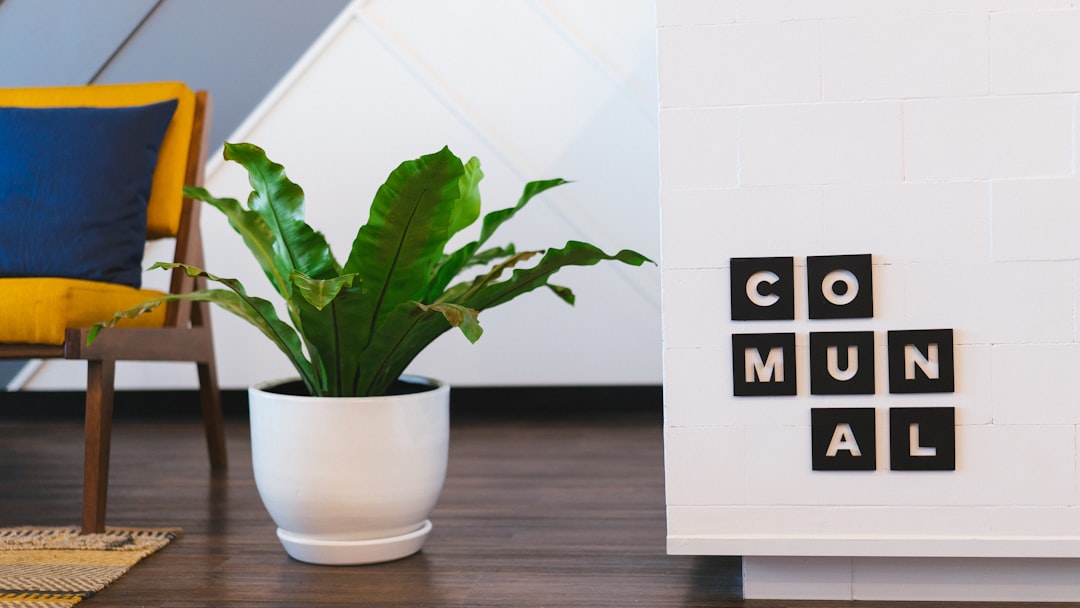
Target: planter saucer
x=353 y=552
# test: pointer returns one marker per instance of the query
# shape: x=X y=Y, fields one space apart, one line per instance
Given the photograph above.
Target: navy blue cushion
x=74 y=185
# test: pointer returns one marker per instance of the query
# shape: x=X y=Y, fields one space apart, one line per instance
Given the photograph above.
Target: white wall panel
x=236 y=49
x=942 y=141
x=535 y=90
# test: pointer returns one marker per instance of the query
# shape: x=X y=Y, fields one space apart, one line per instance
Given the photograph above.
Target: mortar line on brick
x=1076 y=99
x=903 y=143
x=990 y=54
x=820 y=62
x=738 y=149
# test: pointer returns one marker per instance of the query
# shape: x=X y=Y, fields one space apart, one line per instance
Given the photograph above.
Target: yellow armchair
x=89 y=174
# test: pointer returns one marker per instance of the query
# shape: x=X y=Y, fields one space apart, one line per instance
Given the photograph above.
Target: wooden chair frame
x=186 y=336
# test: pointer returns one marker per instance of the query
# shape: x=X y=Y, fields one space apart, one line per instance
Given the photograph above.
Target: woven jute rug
x=54 y=567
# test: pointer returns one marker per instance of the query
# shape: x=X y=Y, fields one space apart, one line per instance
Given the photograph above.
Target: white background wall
x=534 y=88
x=941 y=137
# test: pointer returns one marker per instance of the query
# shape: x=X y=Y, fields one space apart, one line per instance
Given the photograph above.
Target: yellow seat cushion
x=166 y=195
x=38 y=311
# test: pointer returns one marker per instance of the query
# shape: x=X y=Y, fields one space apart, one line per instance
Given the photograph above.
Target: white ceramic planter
x=350 y=480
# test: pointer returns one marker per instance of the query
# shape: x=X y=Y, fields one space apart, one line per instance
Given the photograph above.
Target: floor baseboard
x=496 y=403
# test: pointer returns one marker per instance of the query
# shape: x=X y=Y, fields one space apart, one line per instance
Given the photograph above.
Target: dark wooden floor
x=537 y=512
x=534 y=513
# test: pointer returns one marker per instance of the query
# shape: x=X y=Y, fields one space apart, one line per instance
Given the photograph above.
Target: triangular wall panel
x=535 y=89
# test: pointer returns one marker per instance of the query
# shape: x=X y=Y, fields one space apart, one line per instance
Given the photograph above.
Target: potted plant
x=350 y=458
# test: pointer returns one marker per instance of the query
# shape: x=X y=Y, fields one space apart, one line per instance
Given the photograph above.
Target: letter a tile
x=843 y=439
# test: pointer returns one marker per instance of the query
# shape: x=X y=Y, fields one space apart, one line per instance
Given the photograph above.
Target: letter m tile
x=763 y=364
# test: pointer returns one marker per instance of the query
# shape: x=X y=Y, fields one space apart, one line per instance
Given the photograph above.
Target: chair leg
x=99 y=409
x=209 y=391
x=210 y=397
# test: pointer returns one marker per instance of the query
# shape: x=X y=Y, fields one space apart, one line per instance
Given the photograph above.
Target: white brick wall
x=978 y=138
x=821 y=143
x=693 y=12
x=907 y=222
x=1036 y=219
x=1035 y=52
x=905 y=57
x=748 y=64
x=939 y=136
x=702 y=146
